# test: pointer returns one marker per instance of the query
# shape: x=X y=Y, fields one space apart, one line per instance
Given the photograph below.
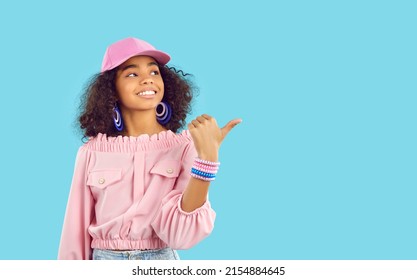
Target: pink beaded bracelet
x=207 y=162
x=205 y=168
x=202 y=177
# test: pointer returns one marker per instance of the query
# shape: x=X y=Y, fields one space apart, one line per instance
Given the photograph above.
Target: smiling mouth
x=147 y=93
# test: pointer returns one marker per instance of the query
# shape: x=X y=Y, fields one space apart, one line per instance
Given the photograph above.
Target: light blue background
x=323 y=165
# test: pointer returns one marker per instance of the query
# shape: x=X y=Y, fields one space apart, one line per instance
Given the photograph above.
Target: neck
x=141 y=122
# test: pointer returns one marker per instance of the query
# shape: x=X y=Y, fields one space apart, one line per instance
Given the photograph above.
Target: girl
x=139 y=189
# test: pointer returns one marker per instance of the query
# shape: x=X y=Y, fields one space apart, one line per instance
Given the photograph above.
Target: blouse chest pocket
x=103 y=178
x=167 y=168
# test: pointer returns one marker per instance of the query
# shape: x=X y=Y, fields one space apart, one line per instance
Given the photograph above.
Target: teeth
x=148 y=92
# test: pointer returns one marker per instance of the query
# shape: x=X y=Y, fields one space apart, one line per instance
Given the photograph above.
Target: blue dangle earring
x=117 y=118
x=163 y=112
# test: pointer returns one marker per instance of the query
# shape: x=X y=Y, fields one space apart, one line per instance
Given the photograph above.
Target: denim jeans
x=158 y=254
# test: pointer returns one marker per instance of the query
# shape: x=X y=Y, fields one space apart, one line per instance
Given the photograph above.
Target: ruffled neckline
x=162 y=140
x=167 y=134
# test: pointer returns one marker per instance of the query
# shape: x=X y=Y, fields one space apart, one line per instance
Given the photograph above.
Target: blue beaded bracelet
x=203 y=174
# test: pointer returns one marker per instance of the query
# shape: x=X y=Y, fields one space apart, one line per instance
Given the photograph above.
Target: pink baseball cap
x=122 y=50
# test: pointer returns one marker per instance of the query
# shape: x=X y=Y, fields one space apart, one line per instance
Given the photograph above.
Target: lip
x=147 y=96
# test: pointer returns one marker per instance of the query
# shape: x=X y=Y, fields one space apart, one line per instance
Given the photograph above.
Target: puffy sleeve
x=177 y=228
x=75 y=239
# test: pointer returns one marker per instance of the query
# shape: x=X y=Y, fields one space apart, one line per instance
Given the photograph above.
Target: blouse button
x=101 y=181
x=170 y=170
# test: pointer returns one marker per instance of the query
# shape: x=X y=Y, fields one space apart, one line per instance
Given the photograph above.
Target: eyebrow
x=136 y=66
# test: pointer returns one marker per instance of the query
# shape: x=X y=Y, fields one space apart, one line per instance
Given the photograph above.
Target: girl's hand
x=207 y=135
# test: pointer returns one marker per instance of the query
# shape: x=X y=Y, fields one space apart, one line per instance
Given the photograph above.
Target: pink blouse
x=126 y=194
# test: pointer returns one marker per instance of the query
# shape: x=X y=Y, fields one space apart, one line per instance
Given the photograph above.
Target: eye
x=155 y=72
x=131 y=75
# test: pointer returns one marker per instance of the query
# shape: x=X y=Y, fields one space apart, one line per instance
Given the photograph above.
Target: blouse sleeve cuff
x=206 y=206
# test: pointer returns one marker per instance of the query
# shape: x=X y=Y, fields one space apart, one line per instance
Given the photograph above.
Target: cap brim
x=160 y=57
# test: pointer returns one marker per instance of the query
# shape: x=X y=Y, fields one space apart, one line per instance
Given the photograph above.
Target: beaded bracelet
x=204 y=170
x=206 y=162
x=202 y=178
x=202 y=173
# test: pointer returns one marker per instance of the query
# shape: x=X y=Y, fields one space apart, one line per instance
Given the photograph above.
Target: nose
x=146 y=81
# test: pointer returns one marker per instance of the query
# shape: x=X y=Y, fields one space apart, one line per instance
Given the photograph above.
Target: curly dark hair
x=100 y=96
